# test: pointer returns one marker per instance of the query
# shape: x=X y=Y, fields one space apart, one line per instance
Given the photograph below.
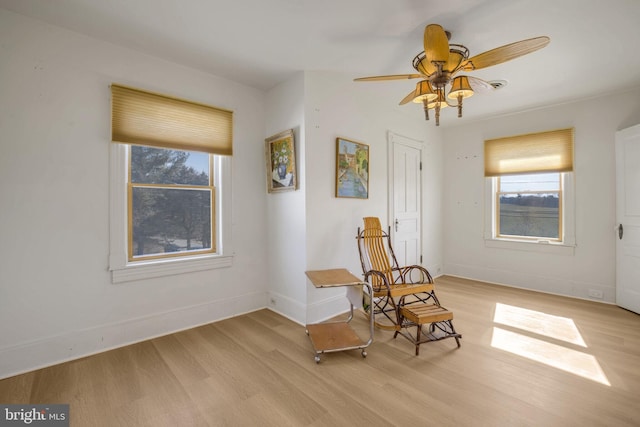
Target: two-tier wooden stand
x=327 y=337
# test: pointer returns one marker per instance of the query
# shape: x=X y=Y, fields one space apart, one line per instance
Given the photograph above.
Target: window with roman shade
x=171 y=171
x=528 y=176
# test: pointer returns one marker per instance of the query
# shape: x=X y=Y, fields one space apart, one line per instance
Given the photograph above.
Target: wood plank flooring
x=258 y=370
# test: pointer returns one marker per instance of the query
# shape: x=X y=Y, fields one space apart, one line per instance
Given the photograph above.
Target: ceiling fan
x=440 y=62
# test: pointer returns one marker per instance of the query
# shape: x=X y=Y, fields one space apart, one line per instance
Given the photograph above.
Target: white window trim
x=124 y=271
x=566 y=247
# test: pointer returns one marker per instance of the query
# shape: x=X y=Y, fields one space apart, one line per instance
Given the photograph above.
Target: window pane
x=170 y=220
x=161 y=166
x=531 y=215
x=530 y=182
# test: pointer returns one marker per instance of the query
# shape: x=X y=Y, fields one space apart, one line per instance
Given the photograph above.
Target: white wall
x=57 y=301
x=592 y=266
x=310 y=228
x=286 y=213
x=335 y=106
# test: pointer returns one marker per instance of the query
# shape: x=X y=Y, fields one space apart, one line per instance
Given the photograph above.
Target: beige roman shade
x=535 y=152
x=145 y=118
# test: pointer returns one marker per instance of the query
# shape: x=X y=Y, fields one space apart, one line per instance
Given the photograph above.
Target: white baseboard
x=287 y=307
x=71 y=345
x=307 y=313
x=543 y=291
x=327 y=308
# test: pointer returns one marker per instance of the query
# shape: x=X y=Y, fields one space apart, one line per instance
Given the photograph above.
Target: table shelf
x=329 y=337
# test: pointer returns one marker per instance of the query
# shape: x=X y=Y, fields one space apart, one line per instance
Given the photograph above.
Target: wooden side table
x=327 y=337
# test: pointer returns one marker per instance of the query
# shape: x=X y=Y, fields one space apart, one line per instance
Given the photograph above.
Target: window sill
x=533 y=246
x=160 y=268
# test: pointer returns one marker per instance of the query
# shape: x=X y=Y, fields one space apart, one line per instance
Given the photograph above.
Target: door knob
x=396 y=223
x=620 y=231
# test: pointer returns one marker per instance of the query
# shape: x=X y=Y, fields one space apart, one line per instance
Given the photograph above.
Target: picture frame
x=352 y=169
x=280 y=158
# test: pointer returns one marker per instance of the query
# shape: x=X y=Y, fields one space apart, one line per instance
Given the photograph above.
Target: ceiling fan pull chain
x=459 y=105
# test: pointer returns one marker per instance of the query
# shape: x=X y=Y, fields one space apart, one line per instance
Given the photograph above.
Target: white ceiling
x=261 y=43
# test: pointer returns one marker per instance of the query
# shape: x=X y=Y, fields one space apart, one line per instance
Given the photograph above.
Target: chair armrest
x=380 y=275
x=408 y=274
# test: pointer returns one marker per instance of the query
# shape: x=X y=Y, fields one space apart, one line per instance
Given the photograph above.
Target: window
x=171 y=205
x=170 y=199
x=530 y=189
x=529 y=206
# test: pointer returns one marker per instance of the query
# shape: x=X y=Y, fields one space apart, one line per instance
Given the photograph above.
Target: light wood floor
x=258 y=370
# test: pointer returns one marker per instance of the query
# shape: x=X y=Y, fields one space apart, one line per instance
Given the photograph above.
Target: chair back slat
x=373 y=241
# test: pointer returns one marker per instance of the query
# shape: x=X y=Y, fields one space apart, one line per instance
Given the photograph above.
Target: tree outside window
x=171 y=203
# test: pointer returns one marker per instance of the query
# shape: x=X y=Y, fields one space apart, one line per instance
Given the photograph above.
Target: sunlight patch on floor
x=560 y=328
x=539 y=350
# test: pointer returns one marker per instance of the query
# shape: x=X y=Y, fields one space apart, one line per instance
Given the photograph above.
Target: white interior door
x=405 y=211
x=628 y=218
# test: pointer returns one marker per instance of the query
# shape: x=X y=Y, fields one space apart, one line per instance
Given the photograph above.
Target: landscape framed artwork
x=352 y=169
x=281 y=162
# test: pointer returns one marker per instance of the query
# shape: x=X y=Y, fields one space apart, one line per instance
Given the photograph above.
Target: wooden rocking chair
x=403 y=296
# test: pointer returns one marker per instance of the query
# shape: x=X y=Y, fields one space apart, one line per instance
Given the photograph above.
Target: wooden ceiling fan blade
x=436 y=43
x=408 y=98
x=390 y=77
x=505 y=53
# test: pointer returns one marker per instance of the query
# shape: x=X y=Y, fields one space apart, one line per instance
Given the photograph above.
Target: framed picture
x=352 y=169
x=281 y=162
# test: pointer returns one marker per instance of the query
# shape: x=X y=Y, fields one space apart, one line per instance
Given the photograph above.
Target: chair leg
x=400 y=321
x=454 y=332
x=418 y=335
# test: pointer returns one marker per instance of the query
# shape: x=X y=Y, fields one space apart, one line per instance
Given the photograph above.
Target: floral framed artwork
x=281 y=162
x=352 y=169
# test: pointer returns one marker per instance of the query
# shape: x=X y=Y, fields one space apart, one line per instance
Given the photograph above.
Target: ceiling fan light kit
x=439 y=63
